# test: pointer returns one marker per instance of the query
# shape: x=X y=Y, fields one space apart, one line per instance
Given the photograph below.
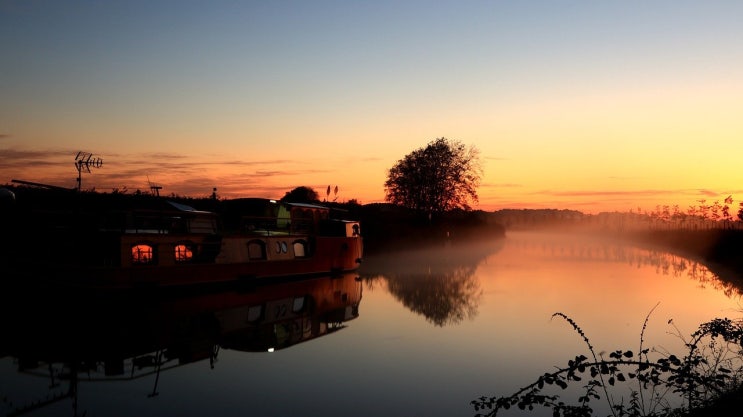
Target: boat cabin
x=265 y=217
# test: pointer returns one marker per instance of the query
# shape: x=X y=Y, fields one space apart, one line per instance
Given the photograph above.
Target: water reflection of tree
x=442 y=297
x=439 y=284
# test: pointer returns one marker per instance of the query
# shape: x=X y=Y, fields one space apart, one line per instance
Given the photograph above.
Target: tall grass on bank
x=655 y=381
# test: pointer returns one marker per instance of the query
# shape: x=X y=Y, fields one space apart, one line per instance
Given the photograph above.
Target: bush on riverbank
x=706 y=381
x=709 y=384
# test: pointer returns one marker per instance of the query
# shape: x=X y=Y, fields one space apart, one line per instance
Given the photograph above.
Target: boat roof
x=187 y=208
x=257 y=201
x=307 y=205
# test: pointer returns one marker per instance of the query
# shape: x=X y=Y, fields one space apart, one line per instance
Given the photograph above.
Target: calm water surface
x=419 y=333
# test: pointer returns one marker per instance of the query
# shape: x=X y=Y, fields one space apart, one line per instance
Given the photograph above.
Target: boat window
x=254 y=313
x=283 y=220
x=143 y=254
x=303 y=220
x=300 y=248
x=183 y=252
x=298 y=304
x=256 y=249
x=281 y=247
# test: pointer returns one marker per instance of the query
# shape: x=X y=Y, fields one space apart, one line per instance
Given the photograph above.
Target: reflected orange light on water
x=606 y=288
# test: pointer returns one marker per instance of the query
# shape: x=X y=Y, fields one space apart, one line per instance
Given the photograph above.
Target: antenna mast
x=83 y=162
x=154 y=188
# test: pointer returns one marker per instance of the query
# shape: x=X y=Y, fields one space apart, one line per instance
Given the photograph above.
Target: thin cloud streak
x=21 y=156
x=177 y=173
x=708 y=193
x=371 y=159
x=630 y=193
x=607 y=193
x=502 y=185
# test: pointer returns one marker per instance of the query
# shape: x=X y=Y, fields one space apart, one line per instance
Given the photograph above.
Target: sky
x=585 y=105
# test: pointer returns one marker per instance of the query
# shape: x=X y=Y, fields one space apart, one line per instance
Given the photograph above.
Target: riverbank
x=720 y=250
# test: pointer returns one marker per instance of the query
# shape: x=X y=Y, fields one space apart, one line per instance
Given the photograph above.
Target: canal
x=411 y=334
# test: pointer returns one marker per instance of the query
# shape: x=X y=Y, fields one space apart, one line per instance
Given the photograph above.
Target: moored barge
x=114 y=241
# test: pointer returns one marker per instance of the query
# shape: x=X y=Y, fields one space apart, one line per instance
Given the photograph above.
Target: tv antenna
x=83 y=162
x=154 y=188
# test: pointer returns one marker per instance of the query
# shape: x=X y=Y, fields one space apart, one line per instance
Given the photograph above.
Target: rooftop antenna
x=83 y=162
x=154 y=188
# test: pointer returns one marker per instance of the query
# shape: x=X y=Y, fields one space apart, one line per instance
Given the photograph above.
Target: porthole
x=281 y=247
x=143 y=254
x=183 y=252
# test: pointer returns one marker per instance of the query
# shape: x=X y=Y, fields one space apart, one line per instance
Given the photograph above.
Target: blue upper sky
x=275 y=80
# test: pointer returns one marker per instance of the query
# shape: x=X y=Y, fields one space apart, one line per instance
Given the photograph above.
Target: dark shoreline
x=720 y=250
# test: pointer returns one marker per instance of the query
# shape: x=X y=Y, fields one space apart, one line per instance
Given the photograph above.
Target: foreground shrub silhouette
x=667 y=385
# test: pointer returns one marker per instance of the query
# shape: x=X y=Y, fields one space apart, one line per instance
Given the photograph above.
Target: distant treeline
x=389 y=227
x=661 y=219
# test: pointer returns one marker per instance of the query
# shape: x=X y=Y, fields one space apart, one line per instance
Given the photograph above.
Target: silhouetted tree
x=703 y=208
x=301 y=194
x=715 y=210
x=440 y=177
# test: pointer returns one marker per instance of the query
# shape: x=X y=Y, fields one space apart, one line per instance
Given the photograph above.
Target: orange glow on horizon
x=364 y=182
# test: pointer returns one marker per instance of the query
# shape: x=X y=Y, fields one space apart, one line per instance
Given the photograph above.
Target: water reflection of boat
x=115 y=241
x=76 y=339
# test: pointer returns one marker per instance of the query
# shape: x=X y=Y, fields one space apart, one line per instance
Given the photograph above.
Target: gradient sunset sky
x=586 y=105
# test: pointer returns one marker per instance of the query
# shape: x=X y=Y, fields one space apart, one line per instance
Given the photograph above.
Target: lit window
x=299 y=248
x=183 y=253
x=143 y=254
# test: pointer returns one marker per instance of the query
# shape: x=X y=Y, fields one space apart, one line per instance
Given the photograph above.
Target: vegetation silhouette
x=301 y=194
x=442 y=176
x=660 y=383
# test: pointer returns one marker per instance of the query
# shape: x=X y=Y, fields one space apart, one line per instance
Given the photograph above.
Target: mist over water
x=434 y=330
